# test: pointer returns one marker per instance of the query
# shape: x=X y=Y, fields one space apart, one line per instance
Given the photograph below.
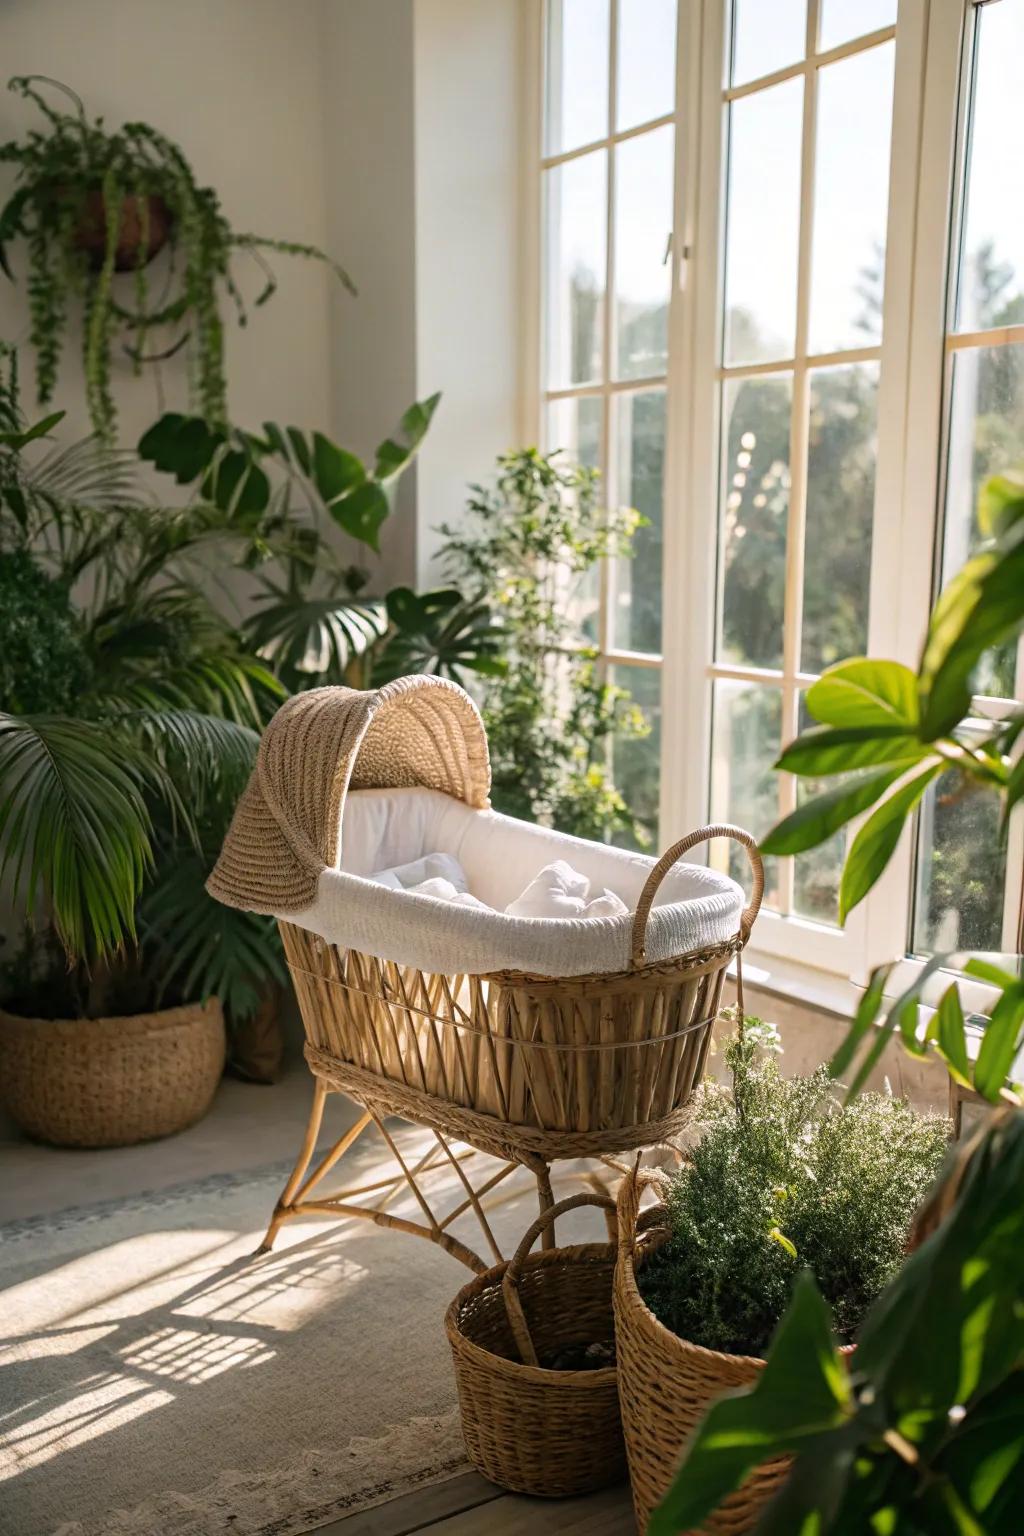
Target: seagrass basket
x=553 y=1433
x=111 y=1082
x=667 y=1384
x=523 y=1066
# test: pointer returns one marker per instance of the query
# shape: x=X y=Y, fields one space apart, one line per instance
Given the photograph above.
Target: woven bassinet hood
x=287 y=826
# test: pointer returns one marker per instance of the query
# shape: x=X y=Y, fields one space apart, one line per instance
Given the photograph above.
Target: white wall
x=469 y=325
x=238 y=84
x=387 y=131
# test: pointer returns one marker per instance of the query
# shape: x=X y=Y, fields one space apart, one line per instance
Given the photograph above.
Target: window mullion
x=607 y=448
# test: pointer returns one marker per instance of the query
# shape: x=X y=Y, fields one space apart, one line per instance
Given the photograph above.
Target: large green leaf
x=312 y=639
x=982 y=607
x=816 y=820
x=75 y=828
x=825 y=750
x=335 y=471
x=361 y=512
x=1001 y=503
x=862 y=692
x=182 y=446
x=202 y=948
x=802 y=1391
x=440 y=633
x=948 y=1031
x=1000 y=1042
x=875 y=842
x=395 y=452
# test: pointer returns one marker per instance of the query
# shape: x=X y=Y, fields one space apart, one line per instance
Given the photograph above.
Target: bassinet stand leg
x=545 y=1196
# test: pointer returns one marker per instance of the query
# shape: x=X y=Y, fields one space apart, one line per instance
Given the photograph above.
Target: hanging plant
x=89 y=204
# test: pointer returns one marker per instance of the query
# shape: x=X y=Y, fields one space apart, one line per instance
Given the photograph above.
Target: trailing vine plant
x=90 y=202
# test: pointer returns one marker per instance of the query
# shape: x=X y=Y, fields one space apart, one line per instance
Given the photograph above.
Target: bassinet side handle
x=510 y=1279
x=671 y=856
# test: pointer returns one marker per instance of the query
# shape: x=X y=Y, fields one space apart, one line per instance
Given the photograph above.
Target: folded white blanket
x=560 y=891
x=557 y=891
x=413 y=877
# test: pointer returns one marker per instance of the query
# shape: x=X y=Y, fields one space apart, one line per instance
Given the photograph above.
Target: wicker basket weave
x=111 y=1082
x=666 y=1384
x=523 y=1066
x=546 y=1432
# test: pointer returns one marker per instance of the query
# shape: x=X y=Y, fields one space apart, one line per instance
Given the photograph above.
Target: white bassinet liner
x=695 y=907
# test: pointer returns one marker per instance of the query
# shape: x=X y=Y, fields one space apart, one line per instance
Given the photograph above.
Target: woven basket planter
x=666 y=1385
x=111 y=1082
x=546 y=1432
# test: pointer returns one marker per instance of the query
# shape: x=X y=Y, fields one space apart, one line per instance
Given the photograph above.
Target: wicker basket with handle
x=532 y=1430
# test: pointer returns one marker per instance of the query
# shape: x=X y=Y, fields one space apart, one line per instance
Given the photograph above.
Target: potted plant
x=781 y=1177
x=90 y=202
x=129 y=722
x=926 y=1434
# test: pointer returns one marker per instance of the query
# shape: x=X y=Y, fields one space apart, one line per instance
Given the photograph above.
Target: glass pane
x=842 y=20
x=851 y=200
x=766 y=37
x=992 y=275
x=763 y=232
x=574 y=427
x=816 y=873
x=840 y=505
x=745 y=741
x=636 y=760
x=986 y=434
x=640 y=457
x=647 y=61
x=753 y=519
x=643 y=222
x=576 y=194
x=577 y=73
x=962 y=868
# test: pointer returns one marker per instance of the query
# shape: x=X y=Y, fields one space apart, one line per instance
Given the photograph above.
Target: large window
x=608 y=176
x=783 y=312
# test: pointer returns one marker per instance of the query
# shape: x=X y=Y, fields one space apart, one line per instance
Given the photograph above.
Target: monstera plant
x=291 y=499
x=923 y=1435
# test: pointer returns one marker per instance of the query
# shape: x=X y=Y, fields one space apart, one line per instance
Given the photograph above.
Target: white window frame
x=923 y=196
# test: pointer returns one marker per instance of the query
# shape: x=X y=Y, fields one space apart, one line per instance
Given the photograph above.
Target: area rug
x=157 y=1380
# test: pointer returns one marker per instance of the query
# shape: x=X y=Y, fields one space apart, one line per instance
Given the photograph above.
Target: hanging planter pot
x=132 y=251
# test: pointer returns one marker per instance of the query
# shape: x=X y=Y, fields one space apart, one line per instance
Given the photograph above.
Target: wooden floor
x=469 y=1506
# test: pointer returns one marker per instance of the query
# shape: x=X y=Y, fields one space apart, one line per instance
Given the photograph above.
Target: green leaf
x=982 y=607
x=816 y=820
x=862 y=692
x=335 y=471
x=75 y=829
x=395 y=452
x=999 y=1042
x=312 y=639
x=182 y=446
x=1001 y=503
x=441 y=633
x=300 y=449
x=903 y=1012
x=802 y=1391
x=1014 y=788
x=236 y=484
x=949 y=1033
x=17 y=440
x=361 y=512
x=868 y=1010
x=778 y=1236
x=876 y=841
x=824 y=750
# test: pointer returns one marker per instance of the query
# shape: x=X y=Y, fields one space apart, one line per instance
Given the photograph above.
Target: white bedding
x=383 y=829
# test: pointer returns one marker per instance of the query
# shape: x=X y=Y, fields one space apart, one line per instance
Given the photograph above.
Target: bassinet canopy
x=414 y=732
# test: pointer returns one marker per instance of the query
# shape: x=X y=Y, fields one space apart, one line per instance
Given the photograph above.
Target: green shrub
x=782 y=1178
x=43 y=661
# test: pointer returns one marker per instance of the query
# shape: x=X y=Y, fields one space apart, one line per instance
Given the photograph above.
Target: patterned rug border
x=143 y=1200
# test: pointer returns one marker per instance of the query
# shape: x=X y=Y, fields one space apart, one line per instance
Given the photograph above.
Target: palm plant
x=121 y=756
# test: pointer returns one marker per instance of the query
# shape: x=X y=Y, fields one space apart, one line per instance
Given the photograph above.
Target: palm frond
x=75 y=828
x=203 y=949
x=309 y=639
x=203 y=755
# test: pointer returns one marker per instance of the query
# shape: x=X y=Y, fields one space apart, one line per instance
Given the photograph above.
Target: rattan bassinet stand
x=528 y=1069
x=531 y=1070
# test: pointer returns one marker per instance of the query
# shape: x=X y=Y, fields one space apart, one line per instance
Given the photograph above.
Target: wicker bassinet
x=528 y=1068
